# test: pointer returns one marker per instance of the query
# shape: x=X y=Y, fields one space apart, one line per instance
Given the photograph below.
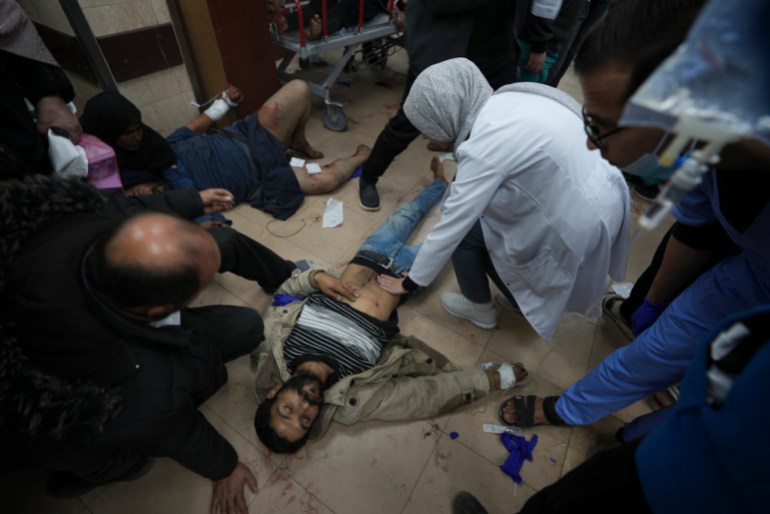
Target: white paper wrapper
x=332 y=213
x=68 y=159
x=313 y=168
x=296 y=162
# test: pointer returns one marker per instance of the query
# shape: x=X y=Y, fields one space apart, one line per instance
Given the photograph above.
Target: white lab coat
x=555 y=215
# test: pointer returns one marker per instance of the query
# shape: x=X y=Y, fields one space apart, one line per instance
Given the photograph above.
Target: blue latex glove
x=520 y=450
x=646 y=315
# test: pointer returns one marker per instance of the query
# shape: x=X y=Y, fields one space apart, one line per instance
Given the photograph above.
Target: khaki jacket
x=410 y=381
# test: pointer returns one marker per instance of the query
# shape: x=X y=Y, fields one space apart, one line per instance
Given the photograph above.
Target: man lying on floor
x=332 y=349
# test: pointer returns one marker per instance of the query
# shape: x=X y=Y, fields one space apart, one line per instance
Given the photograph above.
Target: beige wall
x=164 y=97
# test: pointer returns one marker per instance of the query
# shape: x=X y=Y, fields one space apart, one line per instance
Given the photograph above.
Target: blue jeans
x=472 y=266
x=389 y=240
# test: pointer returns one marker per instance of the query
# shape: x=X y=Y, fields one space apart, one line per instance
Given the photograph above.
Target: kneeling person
x=332 y=349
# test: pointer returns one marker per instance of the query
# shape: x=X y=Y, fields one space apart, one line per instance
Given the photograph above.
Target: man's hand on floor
x=228 y=492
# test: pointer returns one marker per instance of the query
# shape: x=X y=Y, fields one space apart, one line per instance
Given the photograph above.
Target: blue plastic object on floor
x=357 y=173
x=281 y=299
x=520 y=450
x=454 y=435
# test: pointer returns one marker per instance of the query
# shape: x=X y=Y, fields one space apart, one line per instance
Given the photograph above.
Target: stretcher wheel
x=335 y=119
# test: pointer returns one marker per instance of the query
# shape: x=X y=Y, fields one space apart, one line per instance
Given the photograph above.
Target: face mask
x=649 y=166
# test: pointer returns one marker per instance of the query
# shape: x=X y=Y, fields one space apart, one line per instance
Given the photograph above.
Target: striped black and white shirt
x=335 y=333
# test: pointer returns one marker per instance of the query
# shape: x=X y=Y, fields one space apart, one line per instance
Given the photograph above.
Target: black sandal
x=525 y=411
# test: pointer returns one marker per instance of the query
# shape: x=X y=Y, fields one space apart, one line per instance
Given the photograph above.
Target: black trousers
x=251 y=260
x=605 y=483
x=394 y=139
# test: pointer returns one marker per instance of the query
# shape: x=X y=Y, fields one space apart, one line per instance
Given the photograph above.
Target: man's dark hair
x=135 y=285
x=268 y=436
x=638 y=33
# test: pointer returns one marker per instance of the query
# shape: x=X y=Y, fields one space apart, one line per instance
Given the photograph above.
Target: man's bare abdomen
x=372 y=299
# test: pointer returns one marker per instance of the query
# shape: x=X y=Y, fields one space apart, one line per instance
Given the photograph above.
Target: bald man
x=104 y=303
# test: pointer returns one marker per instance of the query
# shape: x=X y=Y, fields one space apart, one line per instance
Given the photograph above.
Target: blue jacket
x=706 y=459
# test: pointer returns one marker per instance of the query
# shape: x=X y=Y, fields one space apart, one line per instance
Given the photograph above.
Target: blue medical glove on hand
x=646 y=315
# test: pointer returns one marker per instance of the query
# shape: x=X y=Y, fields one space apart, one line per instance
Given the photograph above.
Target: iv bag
x=717 y=84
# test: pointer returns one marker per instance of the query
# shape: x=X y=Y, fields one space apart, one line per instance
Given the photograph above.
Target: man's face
x=604 y=102
x=296 y=406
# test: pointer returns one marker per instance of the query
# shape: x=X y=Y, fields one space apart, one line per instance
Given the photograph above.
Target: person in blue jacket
x=734 y=198
x=710 y=455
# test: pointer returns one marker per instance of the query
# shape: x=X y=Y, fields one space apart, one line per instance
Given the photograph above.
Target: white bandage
x=228 y=101
x=217 y=110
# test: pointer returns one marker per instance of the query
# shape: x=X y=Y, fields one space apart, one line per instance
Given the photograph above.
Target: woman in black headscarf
x=142 y=153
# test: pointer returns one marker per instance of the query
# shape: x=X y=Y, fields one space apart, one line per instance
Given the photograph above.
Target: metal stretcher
x=381 y=27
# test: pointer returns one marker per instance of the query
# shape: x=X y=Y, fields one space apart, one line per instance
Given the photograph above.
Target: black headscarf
x=107 y=116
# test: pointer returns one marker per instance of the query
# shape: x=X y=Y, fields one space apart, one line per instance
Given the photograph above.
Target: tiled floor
x=375 y=467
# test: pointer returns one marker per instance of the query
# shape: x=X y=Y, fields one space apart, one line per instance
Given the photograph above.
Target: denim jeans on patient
x=389 y=240
x=472 y=266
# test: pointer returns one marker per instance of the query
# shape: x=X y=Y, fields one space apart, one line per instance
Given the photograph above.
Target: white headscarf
x=445 y=100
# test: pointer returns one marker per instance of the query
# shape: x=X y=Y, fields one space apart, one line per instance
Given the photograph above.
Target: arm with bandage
x=229 y=98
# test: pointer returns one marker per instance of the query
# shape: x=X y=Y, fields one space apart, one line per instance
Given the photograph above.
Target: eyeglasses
x=594 y=132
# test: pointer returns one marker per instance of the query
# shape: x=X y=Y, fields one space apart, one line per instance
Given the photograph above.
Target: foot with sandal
x=529 y=411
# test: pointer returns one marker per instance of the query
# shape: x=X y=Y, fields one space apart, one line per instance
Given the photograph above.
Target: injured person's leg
x=285 y=114
x=332 y=175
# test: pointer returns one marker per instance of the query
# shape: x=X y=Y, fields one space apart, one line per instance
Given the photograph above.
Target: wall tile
x=156 y=86
x=111 y=19
x=52 y=15
x=169 y=114
x=84 y=90
x=161 y=11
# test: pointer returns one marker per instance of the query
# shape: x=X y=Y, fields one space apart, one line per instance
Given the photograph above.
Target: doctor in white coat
x=531 y=207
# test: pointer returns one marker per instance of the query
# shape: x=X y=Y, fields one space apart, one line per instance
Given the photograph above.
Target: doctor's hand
x=216 y=200
x=333 y=287
x=228 y=492
x=392 y=285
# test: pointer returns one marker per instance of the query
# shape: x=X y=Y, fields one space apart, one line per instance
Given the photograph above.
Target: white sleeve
x=476 y=182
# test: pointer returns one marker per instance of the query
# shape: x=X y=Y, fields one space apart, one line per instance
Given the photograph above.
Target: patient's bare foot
x=362 y=151
x=302 y=145
x=437 y=167
x=314 y=30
